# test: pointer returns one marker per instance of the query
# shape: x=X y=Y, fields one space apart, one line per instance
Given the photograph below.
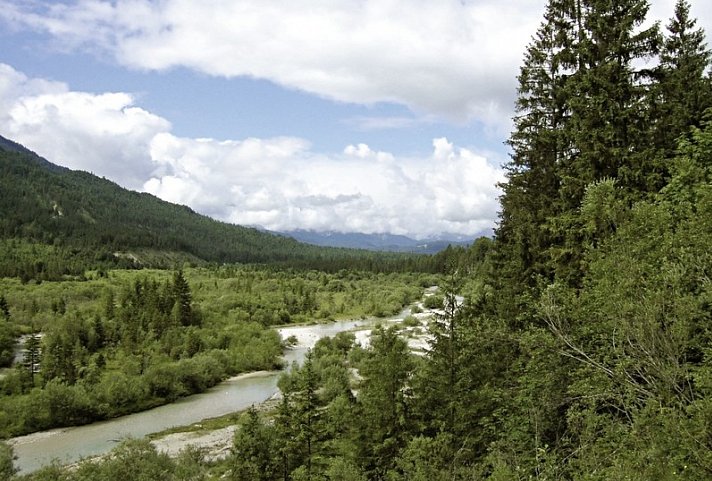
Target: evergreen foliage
x=7 y=469
x=590 y=108
x=683 y=87
x=252 y=447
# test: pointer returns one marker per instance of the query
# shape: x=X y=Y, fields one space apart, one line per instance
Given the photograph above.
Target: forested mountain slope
x=85 y=219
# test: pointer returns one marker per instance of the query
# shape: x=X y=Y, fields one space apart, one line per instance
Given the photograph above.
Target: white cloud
x=365 y=123
x=452 y=59
x=442 y=58
x=279 y=183
x=447 y=58
x=105 y=134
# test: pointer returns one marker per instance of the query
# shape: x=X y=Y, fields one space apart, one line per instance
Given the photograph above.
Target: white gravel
x=216 y=443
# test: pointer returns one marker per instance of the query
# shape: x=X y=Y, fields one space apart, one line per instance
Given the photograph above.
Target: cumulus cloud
x=279 y=183
x=105 y=134
x=452 y=59
x=449 y=58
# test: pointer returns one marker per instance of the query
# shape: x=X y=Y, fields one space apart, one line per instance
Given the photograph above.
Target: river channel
x=68 y=445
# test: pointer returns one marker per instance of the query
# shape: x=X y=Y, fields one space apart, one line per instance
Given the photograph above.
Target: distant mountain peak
x=376 y=241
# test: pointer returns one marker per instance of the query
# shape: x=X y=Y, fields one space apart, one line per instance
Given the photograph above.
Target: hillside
x=85 y=219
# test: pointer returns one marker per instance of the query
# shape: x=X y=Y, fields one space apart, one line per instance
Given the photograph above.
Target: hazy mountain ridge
x=375 y=242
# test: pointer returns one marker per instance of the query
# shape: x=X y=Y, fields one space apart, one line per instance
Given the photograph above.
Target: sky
x=372 y=116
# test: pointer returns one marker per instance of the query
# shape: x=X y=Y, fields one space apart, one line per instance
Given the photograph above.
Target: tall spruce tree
x=252 y=449
x=307 y=417
x=32 y=354
x=182 y=304
x=437 y=379
x=609 y=129
x=538 y=145
x=683 y=90
x=383 y=423
x=608 y=133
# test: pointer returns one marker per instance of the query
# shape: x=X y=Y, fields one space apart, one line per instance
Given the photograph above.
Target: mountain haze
x=375 y=242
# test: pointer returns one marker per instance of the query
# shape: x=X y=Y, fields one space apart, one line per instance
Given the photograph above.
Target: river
x=68 y=445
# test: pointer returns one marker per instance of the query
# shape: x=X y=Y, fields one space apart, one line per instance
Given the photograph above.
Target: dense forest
x=582 y=350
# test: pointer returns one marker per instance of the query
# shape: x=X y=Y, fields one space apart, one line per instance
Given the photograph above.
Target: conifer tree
x=306 y=416
x=538 y=146
x=109 y=304
x=285 y=430
x=252 y=449
x=4 y=309
x=438 y=378
x=182 y=307
x=608 y=94
x=383 y=425
x=33 y=351
x=619 y=121
x=609 y=128
x=684 y=90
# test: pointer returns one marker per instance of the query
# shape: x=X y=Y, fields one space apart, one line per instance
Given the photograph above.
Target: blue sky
x=348 y=115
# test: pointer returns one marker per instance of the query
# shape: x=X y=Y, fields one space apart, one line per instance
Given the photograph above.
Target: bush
x=7 y=456
x=434 y=302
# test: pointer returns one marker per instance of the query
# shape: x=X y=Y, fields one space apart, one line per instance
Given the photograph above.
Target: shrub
x=434 y=302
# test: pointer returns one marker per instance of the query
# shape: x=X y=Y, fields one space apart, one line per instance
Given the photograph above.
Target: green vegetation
x=124 y=341
x=434 y=302
x=133 y=460
x=583 y=349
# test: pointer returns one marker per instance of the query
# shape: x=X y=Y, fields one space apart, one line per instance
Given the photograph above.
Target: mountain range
x=377 y=242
